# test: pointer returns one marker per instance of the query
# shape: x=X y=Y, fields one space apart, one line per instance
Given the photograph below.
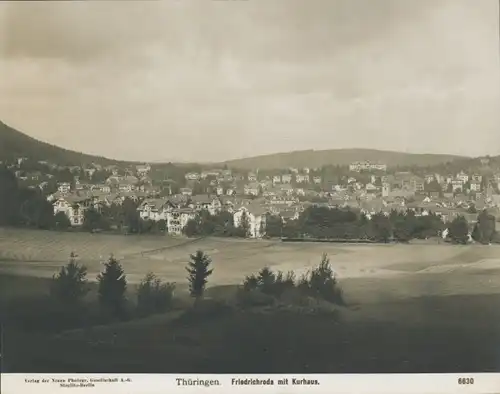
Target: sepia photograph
x=250 y=187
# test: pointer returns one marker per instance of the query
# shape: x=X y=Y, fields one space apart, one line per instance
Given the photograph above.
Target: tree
x=131 y=218
x=484 y=229
x=402 y=230
x=472 y=209
x=35 y=210
x=191 y=229
x=459 y=230
x=154 y=296
x=198 y=270
x=112 y=286
x=274 y=226
x=382 y=228
x=70 y=285
x=61 y=221
x=9 y=203
x=162 y=225
x=266 y=280
x=245 y=224
x=93 y=220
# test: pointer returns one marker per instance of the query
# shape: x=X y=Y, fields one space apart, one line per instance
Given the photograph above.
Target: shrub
x=318 y=284
x=266 y=280
x=247 y=298
x=251 y=282
x=153 y=296
x=70 y=286
x=321 y=283
x=61 y=221
x=205 y=309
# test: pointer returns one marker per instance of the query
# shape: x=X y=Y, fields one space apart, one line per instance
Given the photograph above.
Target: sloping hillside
x=318 y=158
x=15 y=144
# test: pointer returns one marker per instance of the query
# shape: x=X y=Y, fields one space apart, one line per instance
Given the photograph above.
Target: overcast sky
x=213 y=80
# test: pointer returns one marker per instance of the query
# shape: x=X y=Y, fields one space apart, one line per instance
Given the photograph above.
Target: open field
x=411 y=308
x=398 y=271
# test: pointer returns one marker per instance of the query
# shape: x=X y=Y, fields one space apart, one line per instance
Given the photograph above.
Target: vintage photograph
x=279 y=186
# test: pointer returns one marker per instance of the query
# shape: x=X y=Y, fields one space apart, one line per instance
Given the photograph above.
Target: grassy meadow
x=410 y=308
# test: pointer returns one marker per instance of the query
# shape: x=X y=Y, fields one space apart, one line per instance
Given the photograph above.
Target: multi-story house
x=286 y=178
x=252 y=177
x=475 y=186
x=192 y=176
x=143 y=169
x=276 y=179
x=153 y=209
x=103 y=188
x=186 y=191
x=177 y=220
x=462 y=176
x=378 y=167
x=205 y=202
x=287 y=189
x=252 y=189
x=302 y=178
x=370 y=188
x=64 y=187
x=457 y=185
x=417 y=184
x=367 y=166
x=300 y=191
x=429 y=178
x=256 y=216
x=317 y=180
x=210 y=173
x=73 y=207
x=89 y=172
x=386 y=189
x=477 y=178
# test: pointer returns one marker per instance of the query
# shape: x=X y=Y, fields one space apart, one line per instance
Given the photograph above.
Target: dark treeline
x=336 y=223
x=219 y=225
x=22 y=206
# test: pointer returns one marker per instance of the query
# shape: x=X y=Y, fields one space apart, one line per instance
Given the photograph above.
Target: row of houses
x=177 y=210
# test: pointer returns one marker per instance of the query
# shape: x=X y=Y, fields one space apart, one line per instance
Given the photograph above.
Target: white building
x=64 y=188
x=252 y=189
x=302 y=178
x=475 y=186
x=178 y=219
x=252 y=177
x=201 y=202
x=256 y=219
x=73 y=207
x=143 y=170
x=192 y=176
x=462 y=176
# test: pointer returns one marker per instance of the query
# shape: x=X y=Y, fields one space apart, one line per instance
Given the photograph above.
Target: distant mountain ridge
x=317 y=158
x=14 y=144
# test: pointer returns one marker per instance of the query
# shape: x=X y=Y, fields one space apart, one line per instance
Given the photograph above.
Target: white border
x=483 y=383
